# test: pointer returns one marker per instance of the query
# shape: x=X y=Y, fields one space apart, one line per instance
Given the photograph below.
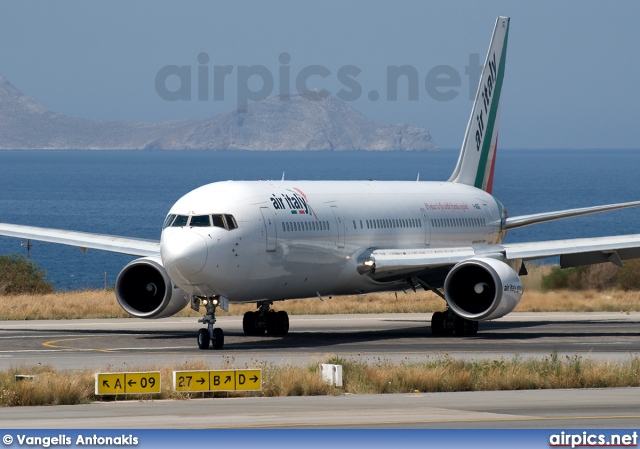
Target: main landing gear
x=264 y=319
x=210 y=334
x=448 y=323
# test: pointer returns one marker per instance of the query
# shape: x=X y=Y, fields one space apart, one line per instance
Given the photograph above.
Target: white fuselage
x=298 y=239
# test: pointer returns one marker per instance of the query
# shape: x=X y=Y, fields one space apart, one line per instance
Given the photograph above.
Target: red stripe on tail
x=493 y=166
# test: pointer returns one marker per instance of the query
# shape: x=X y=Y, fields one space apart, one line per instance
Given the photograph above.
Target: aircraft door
x=427 y=227
x=339 y=226
x=269 y=228
x=492 y=226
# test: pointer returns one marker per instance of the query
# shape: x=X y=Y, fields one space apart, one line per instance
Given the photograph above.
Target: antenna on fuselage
x=418 y=177
x=282 y=176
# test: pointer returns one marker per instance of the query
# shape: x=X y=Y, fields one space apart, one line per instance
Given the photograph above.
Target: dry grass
x=103 y=304
x=50 y=387
x=443 y=374
x=447 y=374
x=61 y=306
x=580 y=301
x=533 y=279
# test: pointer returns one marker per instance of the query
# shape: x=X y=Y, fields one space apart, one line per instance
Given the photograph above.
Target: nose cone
x=184 y=252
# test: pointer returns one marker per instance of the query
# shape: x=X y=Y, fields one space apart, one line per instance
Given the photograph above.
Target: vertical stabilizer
x=477 y=155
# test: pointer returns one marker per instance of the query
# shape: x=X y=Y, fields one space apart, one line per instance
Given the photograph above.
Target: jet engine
x=482 y=288
x=144 y=290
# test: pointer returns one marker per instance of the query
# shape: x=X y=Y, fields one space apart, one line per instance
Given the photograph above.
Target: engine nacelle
x=482 y=289
x=144 y=290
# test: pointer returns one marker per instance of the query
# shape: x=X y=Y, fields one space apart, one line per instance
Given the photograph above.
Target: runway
x=132 y=343
x=98 y=344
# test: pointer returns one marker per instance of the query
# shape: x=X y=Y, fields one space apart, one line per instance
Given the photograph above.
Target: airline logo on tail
x=486 y=101
x=477 y=157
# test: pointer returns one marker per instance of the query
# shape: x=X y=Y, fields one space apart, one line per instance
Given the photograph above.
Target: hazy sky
x=572 y=75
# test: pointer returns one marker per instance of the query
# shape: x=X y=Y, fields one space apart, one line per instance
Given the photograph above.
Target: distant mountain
x=307 y=121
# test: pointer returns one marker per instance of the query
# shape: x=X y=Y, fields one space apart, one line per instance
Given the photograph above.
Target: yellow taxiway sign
x=128 y=383
x=218 y=380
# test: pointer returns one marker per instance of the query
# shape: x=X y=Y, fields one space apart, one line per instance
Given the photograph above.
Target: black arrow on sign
x=254 y=378
x=200 y=381
x=227 y=380
x=105 y=384
x=131 y=382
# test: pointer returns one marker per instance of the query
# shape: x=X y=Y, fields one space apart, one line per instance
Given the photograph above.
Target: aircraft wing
x=577 y=252
x=84 y=240
x=389 y=263
x=527 y=220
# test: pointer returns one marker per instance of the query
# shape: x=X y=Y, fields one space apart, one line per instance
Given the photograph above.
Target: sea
x=128 y=193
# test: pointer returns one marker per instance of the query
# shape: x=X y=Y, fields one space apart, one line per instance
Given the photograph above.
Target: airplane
x=266 y=241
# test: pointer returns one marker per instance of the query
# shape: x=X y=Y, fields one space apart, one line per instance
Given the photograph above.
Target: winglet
x=477 y=156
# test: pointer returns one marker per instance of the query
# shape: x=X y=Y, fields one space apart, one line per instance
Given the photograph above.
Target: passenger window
x=218 y=221
x=180 y=221
x=200 y=221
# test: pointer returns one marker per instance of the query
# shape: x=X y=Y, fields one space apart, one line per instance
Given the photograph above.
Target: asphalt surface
x=100 y=344
x=559 y=409
x=133 y=344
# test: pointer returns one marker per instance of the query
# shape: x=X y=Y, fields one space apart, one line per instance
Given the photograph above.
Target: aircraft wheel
x=250 y=324
x=465 y=327
x=272 y=323
x=284 y=322
x=277 y=323
x=218 y=338
x=203 y=339
x=437 y=323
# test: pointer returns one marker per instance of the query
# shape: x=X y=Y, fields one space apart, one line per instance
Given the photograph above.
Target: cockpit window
x=168 y=220
x=180 y=221
x=218 y=221
x=200 y=221
x=224 y=221
x=231 y=222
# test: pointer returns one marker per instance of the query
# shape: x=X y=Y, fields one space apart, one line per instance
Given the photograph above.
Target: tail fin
x=477 y=155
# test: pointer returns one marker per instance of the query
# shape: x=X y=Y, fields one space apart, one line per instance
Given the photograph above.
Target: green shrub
x=561 y=279
x=628 y=277
x=19 y=276
x=594 y=277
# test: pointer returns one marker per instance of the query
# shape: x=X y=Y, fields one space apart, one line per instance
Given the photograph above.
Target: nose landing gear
x=210 y=334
